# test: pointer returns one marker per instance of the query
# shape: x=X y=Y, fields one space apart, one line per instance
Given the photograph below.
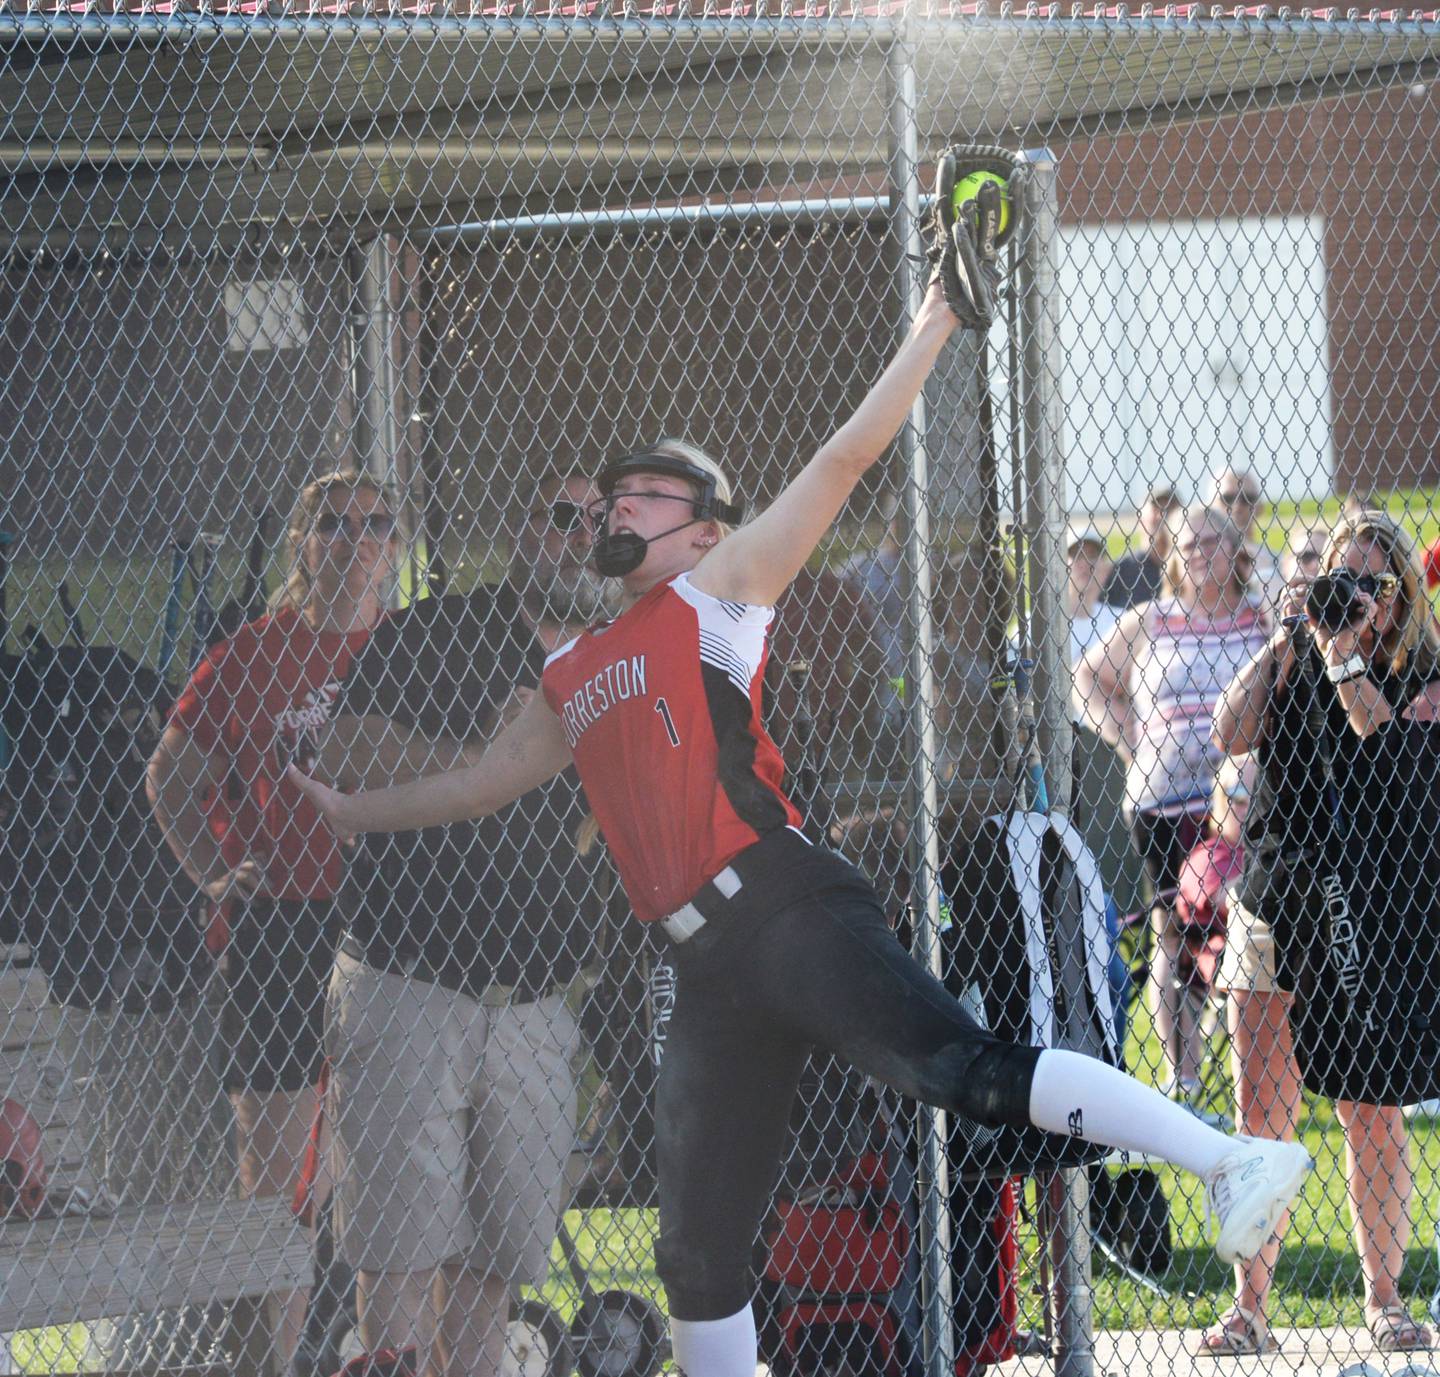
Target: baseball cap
x=1083 y=535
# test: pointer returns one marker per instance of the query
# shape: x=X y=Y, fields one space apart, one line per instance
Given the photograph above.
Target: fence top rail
x=206 y=126
x=419 y=20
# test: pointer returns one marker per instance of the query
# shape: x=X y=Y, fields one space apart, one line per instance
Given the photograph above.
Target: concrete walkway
x=1302 y=1352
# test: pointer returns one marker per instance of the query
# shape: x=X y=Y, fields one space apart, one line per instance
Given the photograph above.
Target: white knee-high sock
x=1084 y=1098
x=716 y=1348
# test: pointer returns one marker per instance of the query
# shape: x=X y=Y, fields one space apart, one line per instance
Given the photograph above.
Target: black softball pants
x=757 y=988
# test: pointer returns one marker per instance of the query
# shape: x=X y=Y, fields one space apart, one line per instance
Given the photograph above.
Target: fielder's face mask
x=615 y=555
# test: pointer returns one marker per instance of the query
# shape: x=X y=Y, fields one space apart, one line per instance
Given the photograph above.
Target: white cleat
x=1249 y=1189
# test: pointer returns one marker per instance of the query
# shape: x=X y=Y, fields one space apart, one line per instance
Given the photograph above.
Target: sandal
x=1240 y=1334
x=1395 y=1331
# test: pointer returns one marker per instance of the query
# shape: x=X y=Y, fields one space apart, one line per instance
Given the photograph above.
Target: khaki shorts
x=1249 y=959
x=453 y=1123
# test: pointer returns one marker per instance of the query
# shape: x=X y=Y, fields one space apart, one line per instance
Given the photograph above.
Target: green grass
x=49 y=1350
x=616 y=1249
x=1416 y=509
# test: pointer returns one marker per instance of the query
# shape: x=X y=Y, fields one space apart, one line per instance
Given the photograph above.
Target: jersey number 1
x=663 y=708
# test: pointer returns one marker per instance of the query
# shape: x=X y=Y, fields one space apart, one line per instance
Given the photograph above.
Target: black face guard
x=614 y=556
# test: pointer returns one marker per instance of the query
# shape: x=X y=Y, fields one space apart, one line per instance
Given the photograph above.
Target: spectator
x=1357 y=504
x=1303 y=553
x=1091 y=617
x=449 y=1031
x=1275 y=710
x=879 y=580
x=1239 y=494
x=1202 y=901
x=253 y=845
x=827 y=664
x=974 y=603
x=1098 y=809
x=1137 y=577
x=1149 y=689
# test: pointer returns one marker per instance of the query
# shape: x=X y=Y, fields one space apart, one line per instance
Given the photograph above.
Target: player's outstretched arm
x=757 y=563
x=530 y=750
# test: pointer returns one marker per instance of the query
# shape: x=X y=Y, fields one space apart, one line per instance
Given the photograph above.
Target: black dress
x=1342 y=854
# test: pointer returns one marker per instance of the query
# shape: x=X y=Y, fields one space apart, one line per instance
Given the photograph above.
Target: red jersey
x=259 y=699
x=661 y=708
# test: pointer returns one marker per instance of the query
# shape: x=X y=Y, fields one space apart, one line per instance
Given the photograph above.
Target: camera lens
x=1331 y=602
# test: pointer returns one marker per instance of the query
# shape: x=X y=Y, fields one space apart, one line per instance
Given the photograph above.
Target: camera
x=1333 y=601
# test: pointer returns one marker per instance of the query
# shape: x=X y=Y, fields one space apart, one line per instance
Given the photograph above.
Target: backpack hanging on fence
x=984 y=1273
x=1027 y=952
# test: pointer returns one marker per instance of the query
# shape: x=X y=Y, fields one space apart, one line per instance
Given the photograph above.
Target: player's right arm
x=530 y=750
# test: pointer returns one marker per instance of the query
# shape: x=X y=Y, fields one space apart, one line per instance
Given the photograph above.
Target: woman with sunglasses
x=1385 y=664
x=255 y=848
x=779 y=945
x=1149 y=689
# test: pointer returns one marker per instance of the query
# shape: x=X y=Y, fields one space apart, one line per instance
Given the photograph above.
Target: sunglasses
x=1233 y=497
x=376 y=525
x=565 y=516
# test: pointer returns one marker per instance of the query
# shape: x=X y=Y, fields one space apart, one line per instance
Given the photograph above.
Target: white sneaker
x=1249 y=1189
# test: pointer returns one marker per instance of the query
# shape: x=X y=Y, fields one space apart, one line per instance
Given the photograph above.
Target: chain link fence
x=316 y=327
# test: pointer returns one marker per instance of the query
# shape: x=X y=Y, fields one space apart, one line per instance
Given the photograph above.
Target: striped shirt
x=1175 y=685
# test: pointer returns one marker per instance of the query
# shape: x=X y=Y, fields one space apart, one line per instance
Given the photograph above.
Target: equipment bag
x=1027 y=950
x=835 y=1263
x=984 y=1273
x=1130 y=1220
x=91 y=886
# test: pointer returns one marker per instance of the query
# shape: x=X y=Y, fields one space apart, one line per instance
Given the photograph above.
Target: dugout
x=449 y=245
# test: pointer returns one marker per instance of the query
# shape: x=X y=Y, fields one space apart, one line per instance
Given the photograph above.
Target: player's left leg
x=728 y=1077
x=831 y=967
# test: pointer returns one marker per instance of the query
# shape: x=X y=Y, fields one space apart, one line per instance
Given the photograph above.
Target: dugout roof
x=184 y=128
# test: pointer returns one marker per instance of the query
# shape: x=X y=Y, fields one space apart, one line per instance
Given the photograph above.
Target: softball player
x=779 y=945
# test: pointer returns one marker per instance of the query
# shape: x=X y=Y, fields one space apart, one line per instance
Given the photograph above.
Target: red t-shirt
x=661 y=708
x=259 y=699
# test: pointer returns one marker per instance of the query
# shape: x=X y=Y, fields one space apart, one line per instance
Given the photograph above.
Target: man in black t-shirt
x=449 y=1030
x=1137 y=578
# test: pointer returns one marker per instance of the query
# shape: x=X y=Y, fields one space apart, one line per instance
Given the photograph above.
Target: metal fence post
x=1044 y=517
x=932 y=1175
x=387 y=386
